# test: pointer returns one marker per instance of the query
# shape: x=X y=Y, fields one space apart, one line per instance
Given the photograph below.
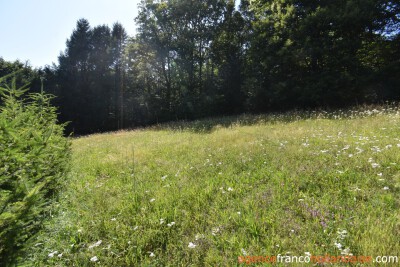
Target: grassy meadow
x=204 y=193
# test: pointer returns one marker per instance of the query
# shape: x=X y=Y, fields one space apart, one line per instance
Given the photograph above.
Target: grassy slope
x=261 y=189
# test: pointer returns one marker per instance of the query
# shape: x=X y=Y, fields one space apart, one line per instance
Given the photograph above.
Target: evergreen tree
x=191 y=59
x=119 y=38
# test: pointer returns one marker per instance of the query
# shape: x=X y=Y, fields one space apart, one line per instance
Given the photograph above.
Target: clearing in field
x=207 y=192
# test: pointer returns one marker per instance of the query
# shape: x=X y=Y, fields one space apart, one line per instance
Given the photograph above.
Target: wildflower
x=346 y=252
x=59 y=255
x=113 y=219
x=215 y=231
x=198 y=236
x=152 y=254
x=171 y=224
x=161 y=221
x=244 y=252
x=375 y=165
x=98 y=243
x=359 y=150
x=191 y=245
x=376 y=149
x=152 y=200
x=338 y=245
x=342 y=234
x=94 y=259
x=386 y=188
x=230 y=189
x=380 y=174
x=164 y=177
x=51 y=255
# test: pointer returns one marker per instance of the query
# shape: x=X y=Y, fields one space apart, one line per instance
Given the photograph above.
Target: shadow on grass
x=208 y=125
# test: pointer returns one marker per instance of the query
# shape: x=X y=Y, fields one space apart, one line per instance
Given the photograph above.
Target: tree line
x=190 y=59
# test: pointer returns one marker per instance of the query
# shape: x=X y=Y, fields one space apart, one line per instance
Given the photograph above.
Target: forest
x=193 y=59
x=274 y=131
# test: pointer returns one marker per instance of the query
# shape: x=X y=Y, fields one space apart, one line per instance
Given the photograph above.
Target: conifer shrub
x=34 y=158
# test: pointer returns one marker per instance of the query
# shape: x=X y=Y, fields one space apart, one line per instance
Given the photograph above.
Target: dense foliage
x=23 y=74
x=33 y=160
x=191 y=59
x=324 y=53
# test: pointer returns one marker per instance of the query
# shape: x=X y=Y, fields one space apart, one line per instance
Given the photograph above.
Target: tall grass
x=206 y=192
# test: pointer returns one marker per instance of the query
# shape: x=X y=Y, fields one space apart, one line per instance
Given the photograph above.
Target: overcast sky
x=36 y=30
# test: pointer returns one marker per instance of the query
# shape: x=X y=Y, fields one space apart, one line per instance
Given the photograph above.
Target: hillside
x=207 y=192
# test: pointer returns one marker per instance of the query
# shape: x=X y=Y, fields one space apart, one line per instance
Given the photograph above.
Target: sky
x=36 y=30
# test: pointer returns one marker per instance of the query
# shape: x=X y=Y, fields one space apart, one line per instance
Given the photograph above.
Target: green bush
x=34 y=157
